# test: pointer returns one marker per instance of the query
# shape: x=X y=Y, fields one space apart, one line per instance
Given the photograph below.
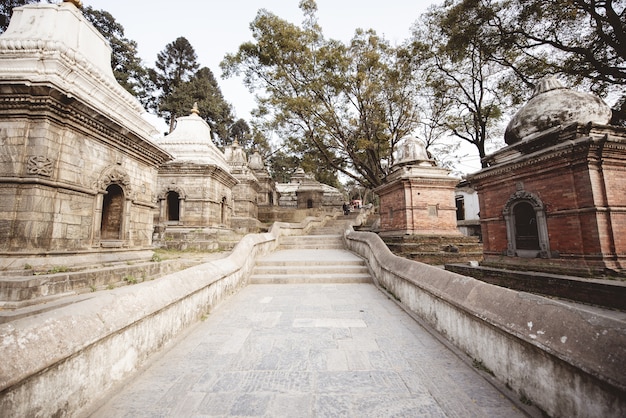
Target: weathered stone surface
x=68 y=139
x=553 y=105
x=569 y=360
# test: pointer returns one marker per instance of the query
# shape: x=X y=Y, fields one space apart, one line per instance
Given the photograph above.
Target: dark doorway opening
x=223 y=211
x=112 y=213
x=173 y=206
x=526 y=232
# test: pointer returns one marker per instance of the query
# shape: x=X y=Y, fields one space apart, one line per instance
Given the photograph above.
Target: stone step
x=304 y=265
x=315 y=272
x=311 y=242
x=327 y=230
x=310 y=270
x=313 y=278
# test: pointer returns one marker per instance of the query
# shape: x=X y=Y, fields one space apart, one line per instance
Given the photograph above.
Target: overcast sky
x=215 y=28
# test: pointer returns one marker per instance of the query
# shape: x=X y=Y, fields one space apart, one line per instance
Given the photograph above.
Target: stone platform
x=323 y=350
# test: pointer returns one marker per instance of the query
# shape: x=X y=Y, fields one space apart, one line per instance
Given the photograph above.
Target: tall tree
x=583 y=40
x=175 y=65
x=125 y=62
x=344 y=106
x=464 y=82
x=201 y=89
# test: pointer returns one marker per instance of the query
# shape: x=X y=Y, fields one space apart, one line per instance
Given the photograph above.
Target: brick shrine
x=417 y=197
x=554 y=199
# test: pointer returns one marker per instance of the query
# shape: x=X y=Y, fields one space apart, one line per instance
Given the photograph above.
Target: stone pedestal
x=418 y=199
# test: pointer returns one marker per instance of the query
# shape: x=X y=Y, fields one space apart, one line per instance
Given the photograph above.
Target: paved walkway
x=317 y=350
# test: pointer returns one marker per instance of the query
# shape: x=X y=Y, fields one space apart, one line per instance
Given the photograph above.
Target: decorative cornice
x=50 y=101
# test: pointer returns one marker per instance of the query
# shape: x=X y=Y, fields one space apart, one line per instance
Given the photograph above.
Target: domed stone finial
x=194 y=109
x=554 y=105
x=547 y=84
x=76 y=3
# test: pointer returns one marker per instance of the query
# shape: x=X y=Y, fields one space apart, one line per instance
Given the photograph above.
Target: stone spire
x=76 y=3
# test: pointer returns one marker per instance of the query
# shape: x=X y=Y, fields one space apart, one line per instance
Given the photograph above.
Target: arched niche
x=112 y=206
x=112 y=213
x=172 y=207
x=526 y=226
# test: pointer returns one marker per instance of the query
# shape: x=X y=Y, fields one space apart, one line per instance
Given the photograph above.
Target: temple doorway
x=173 y=206
x=112 y=213
x=223 y=211
x=526 y=232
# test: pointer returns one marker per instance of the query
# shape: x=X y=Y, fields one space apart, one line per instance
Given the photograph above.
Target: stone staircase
x=436 y=250
x=320 y=257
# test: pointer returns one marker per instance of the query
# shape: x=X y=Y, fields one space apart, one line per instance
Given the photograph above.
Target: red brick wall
x=418 y=207
x=576 y=188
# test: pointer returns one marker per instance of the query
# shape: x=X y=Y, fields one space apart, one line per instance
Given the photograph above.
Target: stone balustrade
x=72 y=354
x=568 y=360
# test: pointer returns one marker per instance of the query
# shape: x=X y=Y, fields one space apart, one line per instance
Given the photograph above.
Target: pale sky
x=216 y=28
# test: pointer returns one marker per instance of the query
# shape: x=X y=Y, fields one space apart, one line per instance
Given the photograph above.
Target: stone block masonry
x=567 y=360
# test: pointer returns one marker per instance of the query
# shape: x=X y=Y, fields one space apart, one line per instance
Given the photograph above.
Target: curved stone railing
x=54 y=364
x=569 y=361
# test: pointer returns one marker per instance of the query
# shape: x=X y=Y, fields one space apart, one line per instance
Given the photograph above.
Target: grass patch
x=478 y=364
x=130 y=279
x=58 y=269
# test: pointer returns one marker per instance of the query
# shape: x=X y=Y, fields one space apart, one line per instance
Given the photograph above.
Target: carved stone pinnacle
x=77 y=3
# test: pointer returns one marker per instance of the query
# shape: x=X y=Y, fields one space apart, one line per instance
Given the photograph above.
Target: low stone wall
x=606 y=293
x=57 y=363
x=569 y=362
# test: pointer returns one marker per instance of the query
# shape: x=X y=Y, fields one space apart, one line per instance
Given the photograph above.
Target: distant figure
x=346 y=209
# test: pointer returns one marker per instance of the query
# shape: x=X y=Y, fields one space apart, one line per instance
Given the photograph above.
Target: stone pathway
x=308 y=350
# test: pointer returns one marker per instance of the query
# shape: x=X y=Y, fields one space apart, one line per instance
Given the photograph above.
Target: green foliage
x=156 y=258
x=342 y=106
x=125 y=61
x=175 y=65
x=201 y=89
x=58 y=269
x=130 y=279
x=583 y=41
x=461 y=81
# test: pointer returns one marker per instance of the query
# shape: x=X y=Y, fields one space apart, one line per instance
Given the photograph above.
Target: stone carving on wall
x=39 y=165
x=531 y=198
x=113 y=175
x=172 y=188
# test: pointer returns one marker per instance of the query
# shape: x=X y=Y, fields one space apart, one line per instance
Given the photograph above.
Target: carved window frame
x=113 y=175
x=542 y=225
x=162 y=198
